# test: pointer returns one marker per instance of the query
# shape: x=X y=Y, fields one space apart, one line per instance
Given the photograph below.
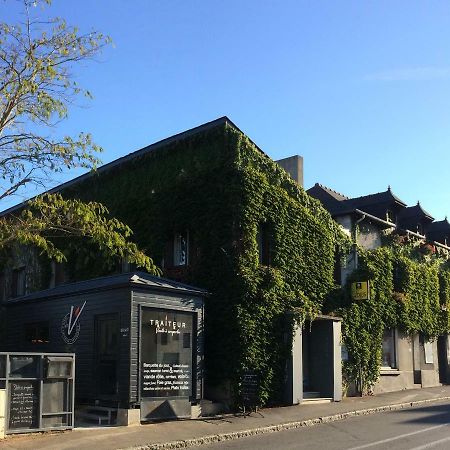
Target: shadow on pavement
x=436 y=414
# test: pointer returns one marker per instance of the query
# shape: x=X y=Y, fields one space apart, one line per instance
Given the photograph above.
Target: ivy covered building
x=397 y=339
x=213 y=210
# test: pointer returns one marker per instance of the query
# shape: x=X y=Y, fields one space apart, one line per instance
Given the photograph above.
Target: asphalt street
x=408 y=429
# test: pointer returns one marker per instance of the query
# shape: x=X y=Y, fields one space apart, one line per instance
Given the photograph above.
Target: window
x=58 y=275
x=265 y=244
x=167 y=343
x=18 y=286
x=37 y=333
x=180 y=249
x=2 y=286
x=428 y=350
x=337 y=272
x=389 y=357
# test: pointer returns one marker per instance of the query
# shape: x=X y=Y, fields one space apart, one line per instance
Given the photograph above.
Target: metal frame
x=70 y=399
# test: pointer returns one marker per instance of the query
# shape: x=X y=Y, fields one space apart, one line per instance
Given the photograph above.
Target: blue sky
x=360 y=89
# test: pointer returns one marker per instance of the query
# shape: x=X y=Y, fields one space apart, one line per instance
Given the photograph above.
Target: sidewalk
x=165 y=435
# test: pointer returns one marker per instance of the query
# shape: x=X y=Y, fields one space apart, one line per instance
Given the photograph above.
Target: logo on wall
x=167 y=326
x=70 y=325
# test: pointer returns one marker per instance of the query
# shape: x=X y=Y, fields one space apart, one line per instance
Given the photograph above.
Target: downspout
x=355 y=246
x=355 y=255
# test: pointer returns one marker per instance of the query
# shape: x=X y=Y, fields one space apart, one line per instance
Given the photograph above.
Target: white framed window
x=389 y=350
x=428 y=350
x=181 y=249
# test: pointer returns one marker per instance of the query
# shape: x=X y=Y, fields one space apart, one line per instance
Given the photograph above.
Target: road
x=408 y=429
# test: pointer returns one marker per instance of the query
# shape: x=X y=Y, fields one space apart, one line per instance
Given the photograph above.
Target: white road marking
x=432 y=444
x=401 y=436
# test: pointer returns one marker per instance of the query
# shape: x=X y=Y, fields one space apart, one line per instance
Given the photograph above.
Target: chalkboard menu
x=23 y=405
x=250 y=388
x=166 y=353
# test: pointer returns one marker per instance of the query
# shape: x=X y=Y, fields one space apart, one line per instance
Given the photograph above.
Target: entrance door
x=106 y=355
x=442 y=358
x=318 y=359
x=417 y=359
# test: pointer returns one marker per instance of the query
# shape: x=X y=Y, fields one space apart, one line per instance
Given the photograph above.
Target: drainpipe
x=355 y=251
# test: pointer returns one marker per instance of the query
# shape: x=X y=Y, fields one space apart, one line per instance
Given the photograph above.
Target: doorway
x=442 y=345
x=318 y=359
x=106 y=355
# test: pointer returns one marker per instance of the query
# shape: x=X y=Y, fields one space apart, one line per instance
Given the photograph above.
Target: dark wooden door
x=107 y=350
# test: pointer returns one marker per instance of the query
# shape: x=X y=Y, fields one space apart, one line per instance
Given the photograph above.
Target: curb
x=210 y=439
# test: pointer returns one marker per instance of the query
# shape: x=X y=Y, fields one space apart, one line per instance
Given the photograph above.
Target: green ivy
x=221 y=187
x=410 y=290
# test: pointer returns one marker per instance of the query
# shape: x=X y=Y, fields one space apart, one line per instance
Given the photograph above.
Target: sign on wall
x=361 y=290
x=166 y=353
x=70 y=325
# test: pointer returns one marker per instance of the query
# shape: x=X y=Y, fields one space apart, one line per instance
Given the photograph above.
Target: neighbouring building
x=407 y=360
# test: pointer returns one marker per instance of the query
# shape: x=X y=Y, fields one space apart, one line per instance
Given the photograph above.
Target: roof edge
x=224 y=120
x=128 y=282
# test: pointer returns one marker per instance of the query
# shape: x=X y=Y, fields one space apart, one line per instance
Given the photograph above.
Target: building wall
x=368 y=236
x=221 y=188
x=403 y=378
x=53 y=311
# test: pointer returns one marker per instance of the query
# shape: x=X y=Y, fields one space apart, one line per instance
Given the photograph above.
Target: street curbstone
x=211 y=439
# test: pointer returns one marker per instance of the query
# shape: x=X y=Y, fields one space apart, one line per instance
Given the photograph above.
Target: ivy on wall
x=221 y=187
x=410 y=290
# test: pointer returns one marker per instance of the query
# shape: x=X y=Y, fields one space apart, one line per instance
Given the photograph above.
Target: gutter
x=374 y=218
x=438 y=244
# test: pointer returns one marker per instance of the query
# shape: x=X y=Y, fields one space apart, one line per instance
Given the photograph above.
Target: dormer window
x=390 y=216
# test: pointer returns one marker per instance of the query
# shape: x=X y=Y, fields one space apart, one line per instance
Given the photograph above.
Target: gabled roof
x=380 y=197
x=336 y=195
x=329 y=198
x=339 y=204
x=130 y=279
x=440 y=225
x=415 y=211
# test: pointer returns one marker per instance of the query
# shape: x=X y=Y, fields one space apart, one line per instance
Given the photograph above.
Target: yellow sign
x=360 y=290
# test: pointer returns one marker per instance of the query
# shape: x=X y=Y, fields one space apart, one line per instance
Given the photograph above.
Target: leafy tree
x=37 y=57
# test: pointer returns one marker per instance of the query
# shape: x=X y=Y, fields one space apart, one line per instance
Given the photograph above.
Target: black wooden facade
x=100 y=321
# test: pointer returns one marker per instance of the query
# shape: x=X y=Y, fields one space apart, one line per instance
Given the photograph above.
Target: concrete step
x=92 y=418
x=311 y=394
x=209 y=408
x=316 y=400
x=101 y=415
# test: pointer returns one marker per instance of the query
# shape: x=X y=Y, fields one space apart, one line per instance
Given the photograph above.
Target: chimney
x=294 y=167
